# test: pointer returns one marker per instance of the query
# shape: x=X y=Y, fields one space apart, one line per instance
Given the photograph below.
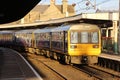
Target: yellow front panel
x=81 y=33
x=83 y=49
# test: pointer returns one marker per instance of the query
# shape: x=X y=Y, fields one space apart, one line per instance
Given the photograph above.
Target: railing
x=107 y=44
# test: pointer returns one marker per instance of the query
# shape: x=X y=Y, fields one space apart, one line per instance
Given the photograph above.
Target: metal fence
x=107 y=44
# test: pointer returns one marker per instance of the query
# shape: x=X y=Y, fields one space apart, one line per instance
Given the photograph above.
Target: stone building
x=48 y=12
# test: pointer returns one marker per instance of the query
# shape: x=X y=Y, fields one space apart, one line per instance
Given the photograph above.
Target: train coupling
x=84 y=59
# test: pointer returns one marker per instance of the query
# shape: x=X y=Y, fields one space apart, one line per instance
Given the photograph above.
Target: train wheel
x=55 y=56
x=47 y=54
x=58 y=57
x=41 y=52
x=37 y=52
x=67 y=59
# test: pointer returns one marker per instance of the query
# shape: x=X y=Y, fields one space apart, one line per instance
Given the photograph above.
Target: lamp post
x=119 y=29
x=119 y=16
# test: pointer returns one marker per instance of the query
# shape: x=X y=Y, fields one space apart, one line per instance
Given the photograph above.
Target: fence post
x=115 y=28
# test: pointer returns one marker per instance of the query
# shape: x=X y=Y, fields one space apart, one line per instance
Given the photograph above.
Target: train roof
x=25 y=31
x=42 y=30
x=80 y=26
x=6 y=31
x=61 y=28
x=84 y=26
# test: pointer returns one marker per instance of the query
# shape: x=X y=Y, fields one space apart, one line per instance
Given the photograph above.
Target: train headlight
x=73 y=46
x=95 y=46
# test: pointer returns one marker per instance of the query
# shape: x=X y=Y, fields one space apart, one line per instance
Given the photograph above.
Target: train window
x=74 y=37
x=84 y=37
x=57 y=36
x=37 y=36
x=94 y=37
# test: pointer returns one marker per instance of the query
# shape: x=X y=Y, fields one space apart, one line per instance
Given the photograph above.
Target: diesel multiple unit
x=73 y=43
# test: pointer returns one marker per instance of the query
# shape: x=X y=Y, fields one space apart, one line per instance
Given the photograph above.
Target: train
x=71 y=43
x=6 y=38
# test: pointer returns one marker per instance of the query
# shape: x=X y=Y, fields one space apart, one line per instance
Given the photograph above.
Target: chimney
x=65 y=5
x=52 y=2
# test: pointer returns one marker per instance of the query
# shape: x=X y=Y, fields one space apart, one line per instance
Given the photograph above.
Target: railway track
x=112 y=73
x=61 y=77
x=47 y=72
x=67 y=72
x=98 y=73
x=50 y=68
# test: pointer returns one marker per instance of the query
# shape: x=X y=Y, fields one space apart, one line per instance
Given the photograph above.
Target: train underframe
x=64 y=57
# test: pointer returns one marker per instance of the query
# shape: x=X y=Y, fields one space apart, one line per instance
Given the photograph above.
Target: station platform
x=110 y=56
x=14 y=67
x=110 y=62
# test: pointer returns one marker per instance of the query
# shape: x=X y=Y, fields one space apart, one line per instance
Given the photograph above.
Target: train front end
x=84 y=43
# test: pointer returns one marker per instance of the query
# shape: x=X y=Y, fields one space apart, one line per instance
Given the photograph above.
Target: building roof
x=104 y=11
x=42 y=8
x=70 y=8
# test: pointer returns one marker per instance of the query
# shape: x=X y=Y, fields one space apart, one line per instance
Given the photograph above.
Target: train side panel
x=7 y=38
x=42 y=41
x=24 y=40
x=57 y=42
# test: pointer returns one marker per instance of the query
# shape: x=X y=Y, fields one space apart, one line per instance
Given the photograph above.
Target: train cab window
x=74 y=37
x=84 y=37
x=94 y=37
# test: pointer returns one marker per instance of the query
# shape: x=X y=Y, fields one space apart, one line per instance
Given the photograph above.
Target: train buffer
x=14 y=67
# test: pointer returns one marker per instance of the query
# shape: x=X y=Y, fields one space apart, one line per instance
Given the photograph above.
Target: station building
x=44 y=12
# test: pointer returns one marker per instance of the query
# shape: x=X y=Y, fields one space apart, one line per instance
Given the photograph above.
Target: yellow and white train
x=73 y=43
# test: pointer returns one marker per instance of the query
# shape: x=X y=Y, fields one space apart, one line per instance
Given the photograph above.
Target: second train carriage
x=42 y=41
x=24 y=39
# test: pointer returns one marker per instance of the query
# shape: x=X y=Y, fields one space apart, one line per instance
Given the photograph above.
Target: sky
x=82 y=8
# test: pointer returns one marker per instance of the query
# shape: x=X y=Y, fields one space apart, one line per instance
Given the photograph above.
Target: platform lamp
x=90 y=3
